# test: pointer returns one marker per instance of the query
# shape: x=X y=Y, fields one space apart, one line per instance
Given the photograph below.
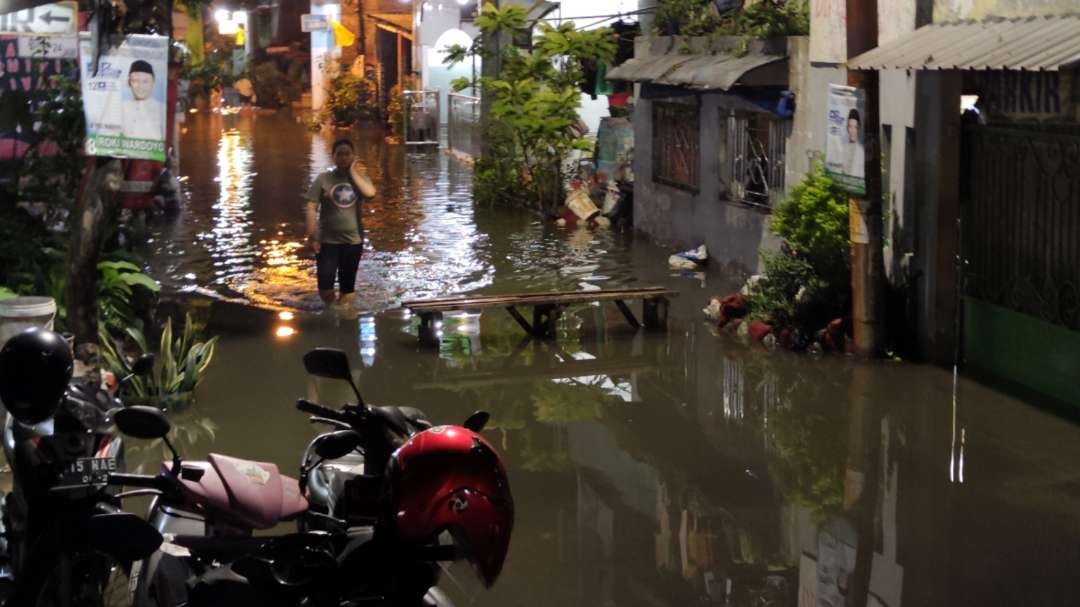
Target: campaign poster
x=845 y=154
x=124 y=99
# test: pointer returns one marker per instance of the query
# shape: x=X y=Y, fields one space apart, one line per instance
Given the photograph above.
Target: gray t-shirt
x=339 y=215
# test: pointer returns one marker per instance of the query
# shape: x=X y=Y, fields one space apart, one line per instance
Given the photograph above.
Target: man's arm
x=310 y=224
x=362 y=181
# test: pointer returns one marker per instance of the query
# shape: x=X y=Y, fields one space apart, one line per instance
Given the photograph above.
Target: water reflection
x=657 y=469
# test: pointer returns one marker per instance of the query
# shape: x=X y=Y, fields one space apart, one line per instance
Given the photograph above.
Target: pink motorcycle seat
x=250 y=493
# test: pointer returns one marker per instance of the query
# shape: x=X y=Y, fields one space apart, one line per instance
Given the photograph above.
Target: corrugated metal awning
x=697 y=71
x=1029 y=43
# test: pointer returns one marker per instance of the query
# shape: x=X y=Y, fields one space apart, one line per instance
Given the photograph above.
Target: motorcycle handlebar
x=135 y=480
x=320 y=411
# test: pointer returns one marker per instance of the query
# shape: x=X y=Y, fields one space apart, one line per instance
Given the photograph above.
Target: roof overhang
x=721 y=71
x=1046 y=43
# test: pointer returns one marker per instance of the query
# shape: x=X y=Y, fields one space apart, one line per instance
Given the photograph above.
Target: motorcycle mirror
x=331 y=364
x=123 y=536
x=477 y=421
x=337 y=444
x=142 y=422
x=143 y=365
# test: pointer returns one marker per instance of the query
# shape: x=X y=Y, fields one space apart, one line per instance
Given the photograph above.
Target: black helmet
x=35 y=368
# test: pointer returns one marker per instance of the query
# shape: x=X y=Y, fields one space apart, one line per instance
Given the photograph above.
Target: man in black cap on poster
x=143 y=115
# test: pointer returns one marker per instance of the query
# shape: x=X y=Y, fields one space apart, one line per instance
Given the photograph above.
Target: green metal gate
x=1021 y=198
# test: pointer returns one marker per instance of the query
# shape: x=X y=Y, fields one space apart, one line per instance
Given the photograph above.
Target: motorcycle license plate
x=87 y=471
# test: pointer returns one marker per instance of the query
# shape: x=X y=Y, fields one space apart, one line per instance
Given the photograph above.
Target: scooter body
x=60 y=472
x=223 y=498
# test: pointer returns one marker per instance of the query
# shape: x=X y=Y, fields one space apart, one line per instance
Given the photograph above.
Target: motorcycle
x=64 y=534
x=368 y=530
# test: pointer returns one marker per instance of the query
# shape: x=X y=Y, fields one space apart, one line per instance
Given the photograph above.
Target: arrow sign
x=48 y=18
x=59 y=18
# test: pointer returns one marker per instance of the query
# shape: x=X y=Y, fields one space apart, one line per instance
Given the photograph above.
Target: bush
x=773 y=299
x=349 y=100
x=272 y=88
x=807 y=283
x=813 y=220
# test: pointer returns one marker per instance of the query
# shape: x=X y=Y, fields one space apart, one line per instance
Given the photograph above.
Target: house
x=996 y=171
x=714 y=129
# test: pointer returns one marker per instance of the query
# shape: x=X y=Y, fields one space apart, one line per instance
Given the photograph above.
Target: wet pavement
x=648 y=469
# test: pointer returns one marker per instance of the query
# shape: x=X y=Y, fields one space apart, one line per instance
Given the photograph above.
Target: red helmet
x=450 y=478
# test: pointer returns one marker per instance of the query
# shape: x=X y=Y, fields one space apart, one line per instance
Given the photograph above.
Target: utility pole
x=867 y=264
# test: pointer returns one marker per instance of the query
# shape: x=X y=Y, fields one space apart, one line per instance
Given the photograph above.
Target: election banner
x=124 y=100
x=845 y=156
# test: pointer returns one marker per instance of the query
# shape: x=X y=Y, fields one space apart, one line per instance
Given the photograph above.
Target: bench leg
x=544 y=318
x=428 y=332
x=520 y=319
x=655 y=313
x=625 y=309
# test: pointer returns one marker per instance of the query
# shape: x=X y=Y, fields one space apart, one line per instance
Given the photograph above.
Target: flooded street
x=657 y=469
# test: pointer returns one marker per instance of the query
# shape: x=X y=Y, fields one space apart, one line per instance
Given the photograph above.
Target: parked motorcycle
x=64 y=533
x=378 y=493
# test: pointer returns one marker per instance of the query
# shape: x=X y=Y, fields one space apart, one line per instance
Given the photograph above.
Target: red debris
x=759 y=329
x=731 y=307
x=832 y=337
x=786 y=339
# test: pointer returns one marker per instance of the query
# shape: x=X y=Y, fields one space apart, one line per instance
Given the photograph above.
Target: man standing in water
x=334 y=223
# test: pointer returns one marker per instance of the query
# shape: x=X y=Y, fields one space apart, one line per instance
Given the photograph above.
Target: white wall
x=441 y=23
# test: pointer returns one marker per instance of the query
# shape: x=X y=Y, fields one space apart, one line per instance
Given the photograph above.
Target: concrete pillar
x=937 y=179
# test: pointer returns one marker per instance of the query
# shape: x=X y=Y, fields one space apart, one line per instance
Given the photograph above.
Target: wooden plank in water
x=550 y=298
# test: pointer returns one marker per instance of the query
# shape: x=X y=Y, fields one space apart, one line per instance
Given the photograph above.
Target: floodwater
x=673 y=468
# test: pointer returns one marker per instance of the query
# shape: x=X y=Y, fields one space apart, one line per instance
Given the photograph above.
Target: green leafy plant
x=179 y=363
x=52 y=167
x=685 y=18
x=806 y=283
x=534 y=101
x=203 y=78
x=773 y=300
x=6 y=293
x=761 y=19
x=349 y=99
x=769 y=18
x=117 y=284
x=395 y=112
x=273 y=89
x=813 y=220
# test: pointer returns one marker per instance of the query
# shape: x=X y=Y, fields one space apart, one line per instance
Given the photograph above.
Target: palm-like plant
x=178 y=366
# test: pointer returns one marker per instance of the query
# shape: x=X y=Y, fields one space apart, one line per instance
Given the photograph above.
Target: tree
x=534 y=99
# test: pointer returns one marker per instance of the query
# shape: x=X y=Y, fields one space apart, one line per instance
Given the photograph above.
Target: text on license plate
x=88 y=471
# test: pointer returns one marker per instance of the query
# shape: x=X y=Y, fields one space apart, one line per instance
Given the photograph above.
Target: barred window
x=752 y=157
x=676 y=147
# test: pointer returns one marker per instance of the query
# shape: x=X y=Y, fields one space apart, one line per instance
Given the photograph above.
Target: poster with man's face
x=124 y=94
x=845 y=156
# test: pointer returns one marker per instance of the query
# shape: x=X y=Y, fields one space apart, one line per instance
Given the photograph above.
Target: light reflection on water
x=240 y=233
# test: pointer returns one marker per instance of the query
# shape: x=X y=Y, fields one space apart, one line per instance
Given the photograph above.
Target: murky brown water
x=648 y=469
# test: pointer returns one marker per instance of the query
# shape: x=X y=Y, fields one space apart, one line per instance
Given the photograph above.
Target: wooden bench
x=546 y=308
